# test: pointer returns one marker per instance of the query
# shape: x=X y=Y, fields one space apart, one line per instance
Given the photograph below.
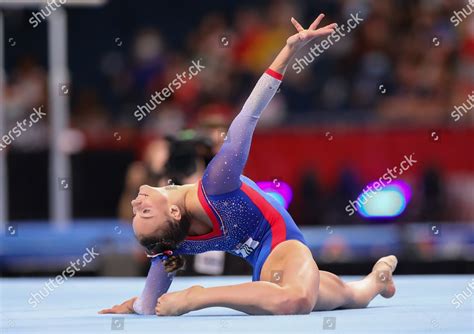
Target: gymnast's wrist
x=291 y=49
x=137 y=307
x=282 y=61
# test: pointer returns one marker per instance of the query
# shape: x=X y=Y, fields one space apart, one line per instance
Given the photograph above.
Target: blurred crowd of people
x=406 y=63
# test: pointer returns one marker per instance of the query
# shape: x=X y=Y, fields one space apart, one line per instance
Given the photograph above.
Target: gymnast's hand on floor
x=124 y=308
x=177 y=303
x=304 y=36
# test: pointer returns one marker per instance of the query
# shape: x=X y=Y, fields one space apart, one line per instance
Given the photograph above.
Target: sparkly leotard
x=247 y=222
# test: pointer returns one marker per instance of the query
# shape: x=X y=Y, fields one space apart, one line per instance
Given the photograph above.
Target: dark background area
x=328 y=133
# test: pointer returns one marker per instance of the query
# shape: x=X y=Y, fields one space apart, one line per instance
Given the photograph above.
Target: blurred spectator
x=89 y=114
x=312 y=201
x=189 y=156
x=150 y=170
x=24 y=91
x=212 y=122
x=434 y=201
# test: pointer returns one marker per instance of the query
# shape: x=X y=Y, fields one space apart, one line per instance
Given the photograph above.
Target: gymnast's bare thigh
x=291 y=265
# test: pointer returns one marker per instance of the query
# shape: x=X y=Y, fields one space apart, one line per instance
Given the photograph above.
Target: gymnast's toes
x=387 y=262
x=384 y=269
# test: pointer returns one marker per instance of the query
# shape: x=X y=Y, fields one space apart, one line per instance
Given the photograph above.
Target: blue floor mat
x=423 y=304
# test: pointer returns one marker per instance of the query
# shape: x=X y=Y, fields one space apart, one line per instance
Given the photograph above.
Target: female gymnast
x=227 y=211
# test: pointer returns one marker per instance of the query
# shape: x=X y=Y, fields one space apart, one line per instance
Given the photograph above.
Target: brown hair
x=169 y=241
x=174 y=263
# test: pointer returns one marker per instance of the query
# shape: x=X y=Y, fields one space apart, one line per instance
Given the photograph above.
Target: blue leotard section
x=247 y=222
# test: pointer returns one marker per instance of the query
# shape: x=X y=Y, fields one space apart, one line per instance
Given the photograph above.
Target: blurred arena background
x=399 y=86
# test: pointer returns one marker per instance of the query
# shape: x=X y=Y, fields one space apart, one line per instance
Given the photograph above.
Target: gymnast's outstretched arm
x=222 y=175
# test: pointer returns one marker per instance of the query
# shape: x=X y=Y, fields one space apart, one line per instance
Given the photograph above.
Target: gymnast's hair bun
x=174 y=263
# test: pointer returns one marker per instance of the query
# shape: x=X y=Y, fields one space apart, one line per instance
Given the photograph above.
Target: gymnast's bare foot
x=383 y=270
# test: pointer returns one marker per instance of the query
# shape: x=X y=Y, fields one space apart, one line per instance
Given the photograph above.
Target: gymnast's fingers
x=321 y=32
x=330 y=26
x=297 y=25
x=107 y=311
x=316 y=22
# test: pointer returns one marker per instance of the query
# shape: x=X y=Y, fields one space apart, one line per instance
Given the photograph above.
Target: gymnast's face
x=152 y=211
